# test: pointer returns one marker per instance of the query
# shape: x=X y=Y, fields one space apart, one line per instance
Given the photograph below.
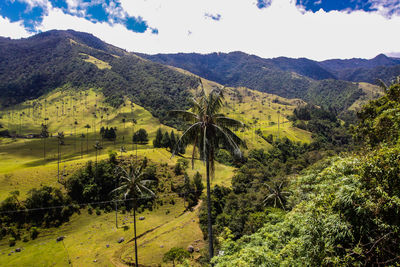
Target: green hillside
x=32 y=67
x=23 y=167
x=289 y=78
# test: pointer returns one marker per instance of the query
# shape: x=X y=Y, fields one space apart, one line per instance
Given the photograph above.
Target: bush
x=25 y=238
x=34 y=232
x=11 y=241
x=98 y=212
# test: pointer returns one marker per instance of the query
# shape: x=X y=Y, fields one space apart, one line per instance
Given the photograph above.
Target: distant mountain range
x=34 y=66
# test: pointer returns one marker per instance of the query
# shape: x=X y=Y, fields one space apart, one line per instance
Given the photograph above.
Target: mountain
x=290 y=78
x=364 y=70
x=35 y=66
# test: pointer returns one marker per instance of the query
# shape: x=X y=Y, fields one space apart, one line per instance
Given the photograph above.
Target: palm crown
x=209 y=128
x=133 y=182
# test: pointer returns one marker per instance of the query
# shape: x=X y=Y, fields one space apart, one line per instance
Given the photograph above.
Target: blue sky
x=269 y=28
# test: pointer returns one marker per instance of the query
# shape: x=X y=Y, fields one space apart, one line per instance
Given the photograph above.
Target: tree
x=166 y=141
x=97 y=147
x=140 y=136
x=157 y=140
x=122 y=149
x=175 y=255
x=44 y=134
x=87 y=126
x=208 y=129
x=134 y=184
x=60 y=142
x=276 y=193
x=198 y=184
x=172 y=142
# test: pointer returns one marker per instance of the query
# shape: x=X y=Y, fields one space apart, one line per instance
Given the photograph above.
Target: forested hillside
x=319 y=83
x=342 y=211
x=34 y=66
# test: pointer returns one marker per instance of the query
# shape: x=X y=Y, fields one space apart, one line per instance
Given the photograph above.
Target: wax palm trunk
x=208 y=130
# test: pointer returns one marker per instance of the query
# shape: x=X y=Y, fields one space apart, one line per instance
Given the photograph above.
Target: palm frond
x=187 y=135
x=184 y=114
x=229 y=136
x=229 y=122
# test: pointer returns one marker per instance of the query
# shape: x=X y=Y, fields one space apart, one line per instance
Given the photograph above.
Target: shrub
x=11 y=241
x=98 y=212
x=34 y=233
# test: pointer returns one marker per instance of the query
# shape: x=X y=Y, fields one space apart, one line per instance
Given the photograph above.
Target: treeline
x=169 y=141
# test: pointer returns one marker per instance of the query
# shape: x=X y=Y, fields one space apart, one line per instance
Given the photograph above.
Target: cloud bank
x=268 y=28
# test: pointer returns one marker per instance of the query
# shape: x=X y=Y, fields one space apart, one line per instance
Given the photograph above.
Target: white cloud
x=12 y=29
x=117 y=34
x=279 y=30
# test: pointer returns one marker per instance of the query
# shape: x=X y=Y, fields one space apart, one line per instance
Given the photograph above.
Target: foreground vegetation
x=342 y=211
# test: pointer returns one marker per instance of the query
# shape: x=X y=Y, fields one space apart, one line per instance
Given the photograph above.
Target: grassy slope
x=22 y=167
x=262 y=111
x=371 y=92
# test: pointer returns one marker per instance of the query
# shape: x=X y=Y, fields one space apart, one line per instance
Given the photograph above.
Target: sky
x=318 y=30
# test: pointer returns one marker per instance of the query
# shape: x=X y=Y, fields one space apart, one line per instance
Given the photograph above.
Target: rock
x=107 y=246
x=161 y=246
x=95 y=261
x=9 y=254
x=18 y=250
x=190 y=249
x=193 y=221
x=121 y=240
x=197 y=249
x=141 y=218
x=60 y=238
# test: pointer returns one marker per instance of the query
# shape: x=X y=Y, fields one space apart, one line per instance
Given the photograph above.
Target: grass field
x=370 y=92
x=24 y=166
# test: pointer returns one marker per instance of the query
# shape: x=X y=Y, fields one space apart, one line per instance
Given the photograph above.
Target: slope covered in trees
x=342 y=211
x=328 y=83
x=34 y=66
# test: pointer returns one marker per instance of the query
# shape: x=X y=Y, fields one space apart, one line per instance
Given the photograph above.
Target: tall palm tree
x=87 y=126
x=97 y=146
x=60 y=141
x=133 y=184
x=208 y=130
x=44 y=134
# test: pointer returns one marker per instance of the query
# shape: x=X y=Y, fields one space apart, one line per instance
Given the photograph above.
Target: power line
x=92 y=203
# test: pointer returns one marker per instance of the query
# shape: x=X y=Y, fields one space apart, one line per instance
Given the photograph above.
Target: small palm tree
x=276 y=194
x=208 y=130
x=122 y=149
x=133 y=184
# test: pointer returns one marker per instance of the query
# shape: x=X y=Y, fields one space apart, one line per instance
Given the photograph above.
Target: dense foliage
x=327 y=129
x=380 y=119
x=343 y=211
